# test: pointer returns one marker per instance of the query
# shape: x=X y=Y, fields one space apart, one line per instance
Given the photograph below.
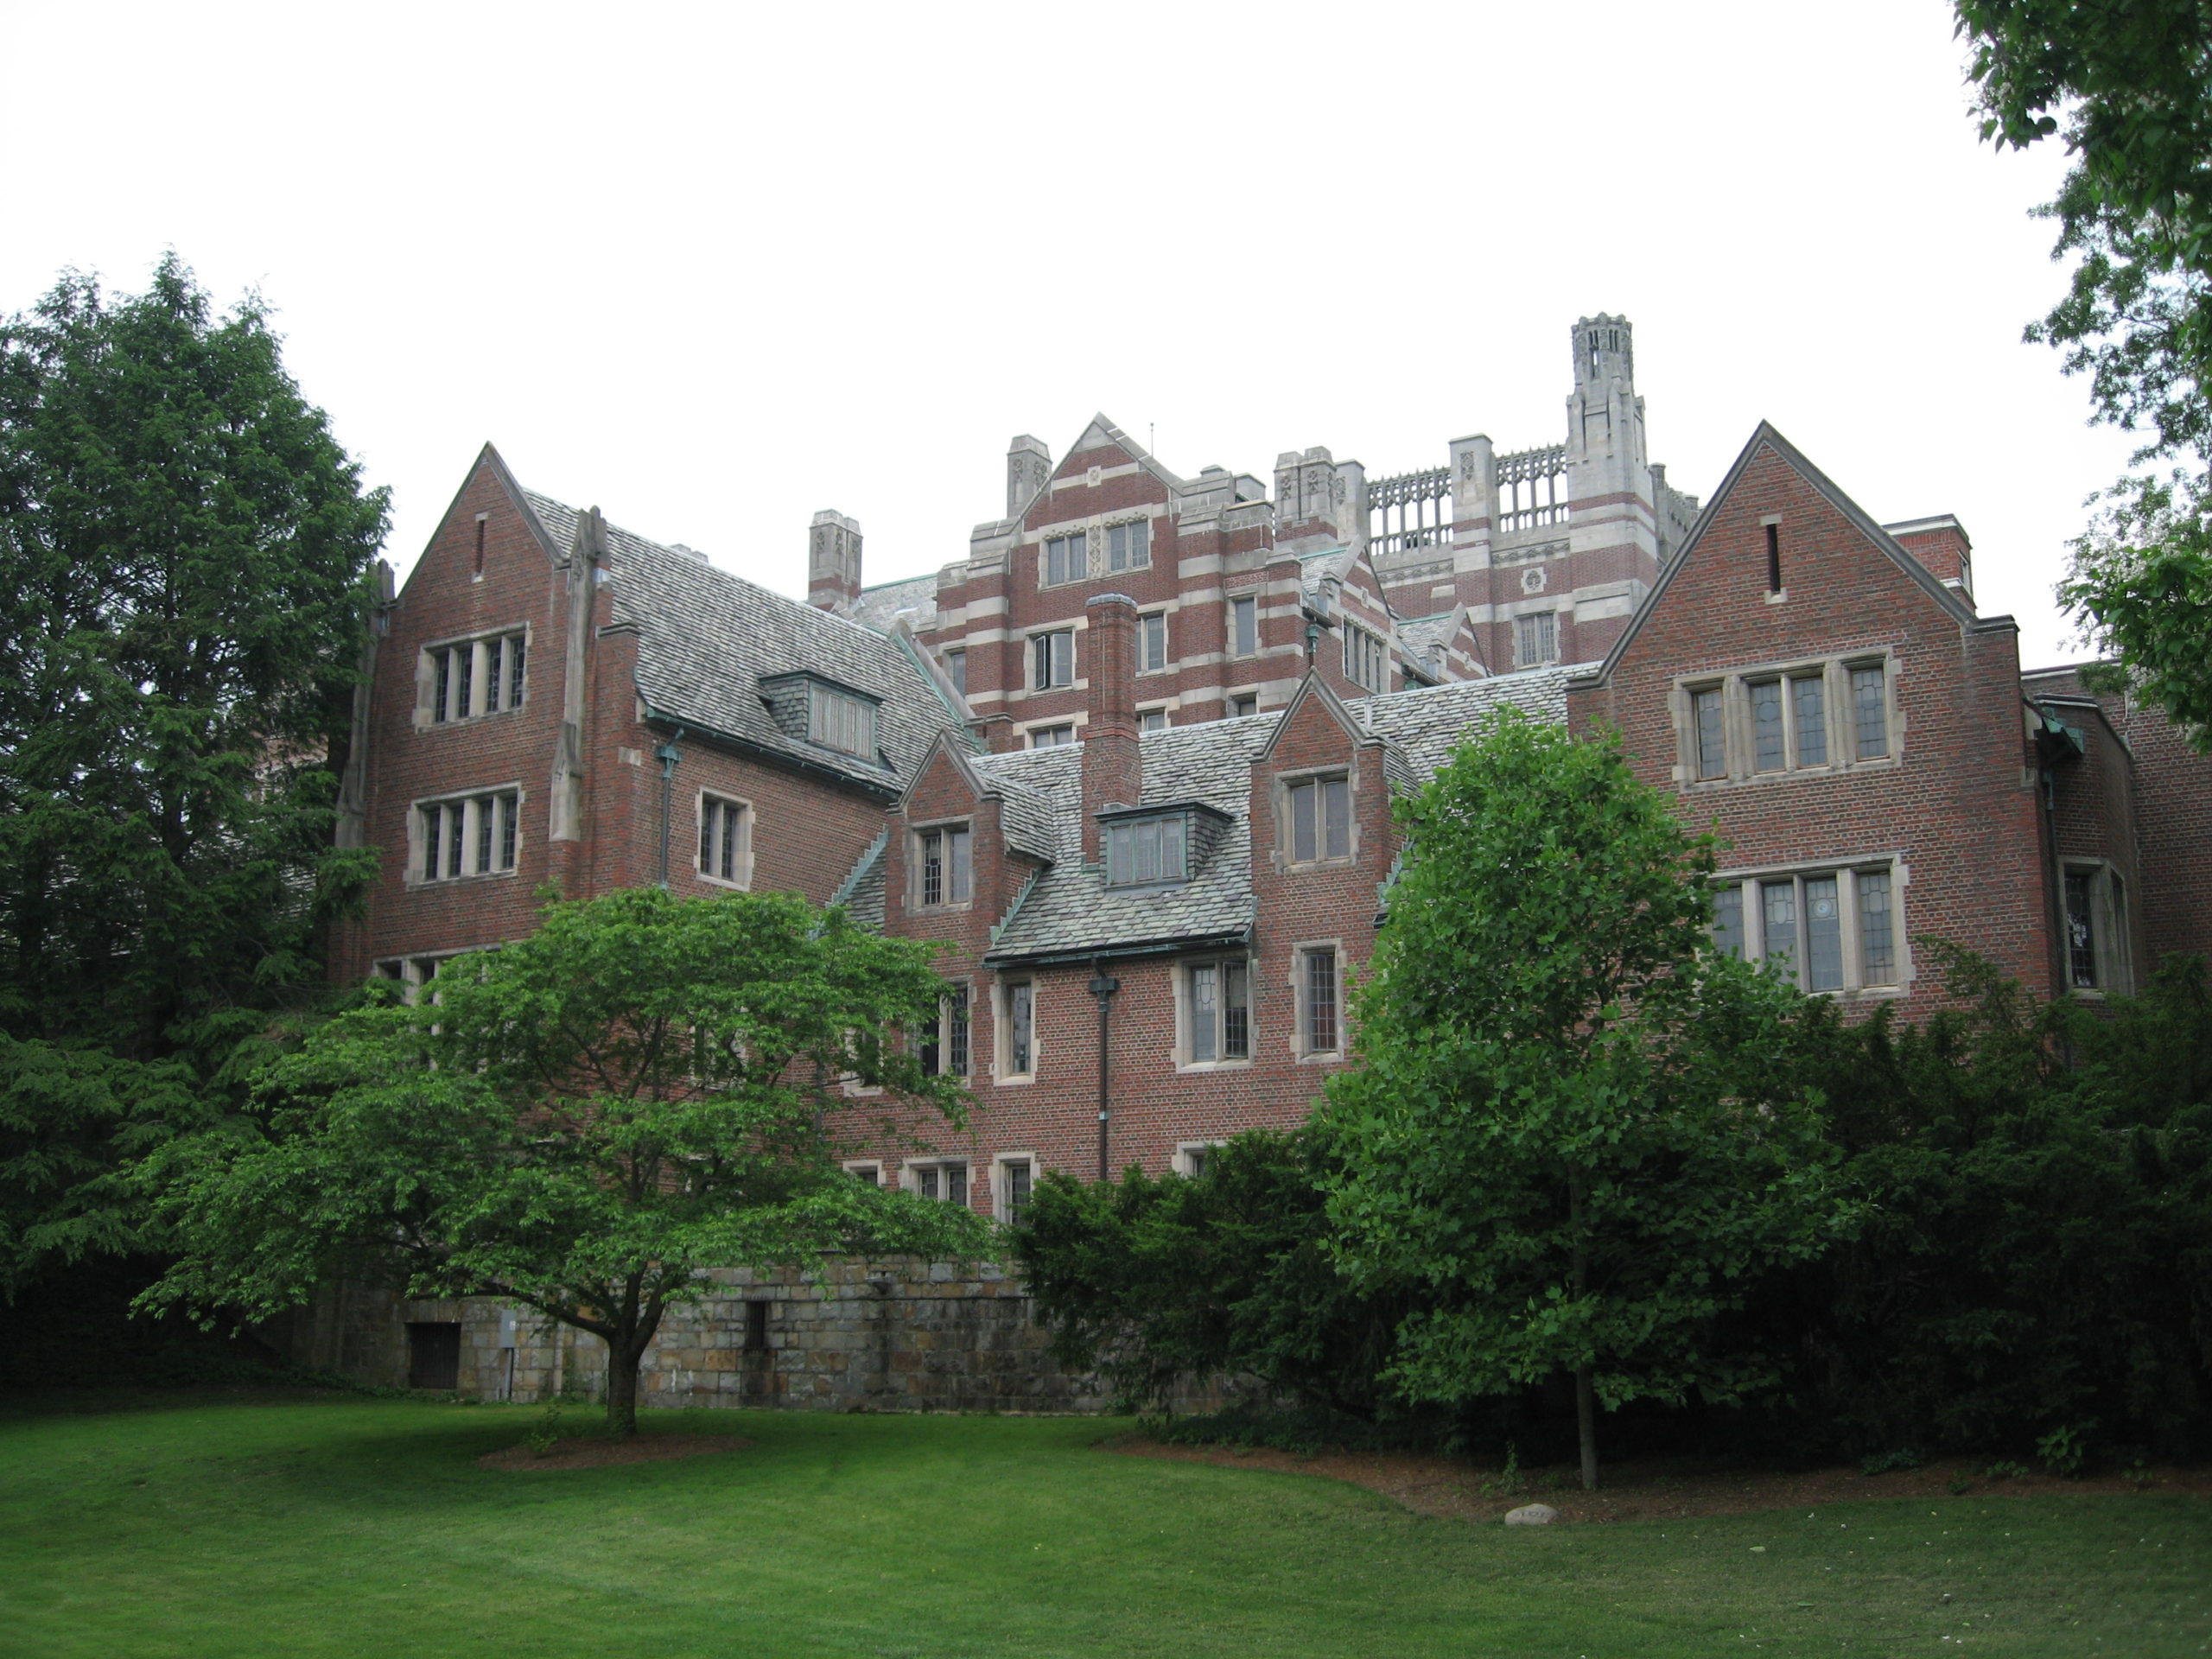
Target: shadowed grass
x=365 y=1529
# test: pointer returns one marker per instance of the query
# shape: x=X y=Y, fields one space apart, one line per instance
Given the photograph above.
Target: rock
x=1532 y=1515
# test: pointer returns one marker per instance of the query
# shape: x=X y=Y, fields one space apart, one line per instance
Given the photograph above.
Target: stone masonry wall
x=897 y=1334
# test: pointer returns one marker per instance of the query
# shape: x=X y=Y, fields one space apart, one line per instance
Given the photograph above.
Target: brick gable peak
x=1765 y=439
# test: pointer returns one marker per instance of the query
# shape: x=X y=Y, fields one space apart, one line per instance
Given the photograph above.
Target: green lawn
x=364 y=1529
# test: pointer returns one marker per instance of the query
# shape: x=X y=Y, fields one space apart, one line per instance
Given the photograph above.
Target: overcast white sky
x=713 y=267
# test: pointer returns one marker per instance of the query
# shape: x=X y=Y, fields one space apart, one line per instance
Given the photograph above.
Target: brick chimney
x=1112 y=775
x=833 y=562
x=1941 y=545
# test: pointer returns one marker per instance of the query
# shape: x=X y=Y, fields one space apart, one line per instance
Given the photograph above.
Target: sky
x=712 y=268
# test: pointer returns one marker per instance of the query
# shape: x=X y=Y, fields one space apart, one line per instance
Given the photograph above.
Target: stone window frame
x=1300 y=983
x=1159 y=716
x=954 y=660
x=1001 y=1182
x=1101 y=545
x=910 y=1176
x=1002 y=1072
x=1365 y=651
x=1230 y=697
x=410 y=976
x=916 y=904
x=1146 y=622
x=1748 y=882
x=1029 y=643
x=1072 y=727
x=1228 y=629
x=1189 y=1157
x=1286 y=844
x=2111 y=937
x=874 y=1166
x=1086 y=534
x=1522 y=658
x=742 y=864
x=1184 y=986
x=426 y=716
x=945 y=1024
x=413 y=877
x=1739 y=740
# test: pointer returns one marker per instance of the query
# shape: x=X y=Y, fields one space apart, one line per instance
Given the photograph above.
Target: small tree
x=585 y=1122
x=1565 y=1128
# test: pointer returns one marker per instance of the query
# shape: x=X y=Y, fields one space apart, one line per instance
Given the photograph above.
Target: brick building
x=1132 y=758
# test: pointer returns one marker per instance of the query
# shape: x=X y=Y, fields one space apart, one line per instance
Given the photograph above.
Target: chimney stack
x=1113 y=773
x=1029 y=464
x=1941 y=545
x=833 y=566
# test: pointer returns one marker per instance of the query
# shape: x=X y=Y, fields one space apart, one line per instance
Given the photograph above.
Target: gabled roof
x=707 y=639
x=1070 y=912
x=1103 y=434
x=1766 y=436
x=912 y=597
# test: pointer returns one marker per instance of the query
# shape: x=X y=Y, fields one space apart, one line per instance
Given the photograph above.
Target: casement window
x=1816 y=717
x=946 y=1182
x=2097 y=928
x=1320 y=819
x=1128 y=547
x=1535 y=638
x=1067 y=558
x=1319 y=1024
x=1244 y=628
x=945 y=866
x=1151 y=719
x=1151 y=643
x=725 y=840
x=944 y=1048
x=470 y=834
x=956 y=670
x=1366 y=660
x=1243 y=703
x=1052 y=659
x=1145 y=851
x=1050 y=737
x=1823 y=929
x=1217 y=1011
x=463 y=680
x=1017 y=1028
x=837 y=719
x=1015 y=1177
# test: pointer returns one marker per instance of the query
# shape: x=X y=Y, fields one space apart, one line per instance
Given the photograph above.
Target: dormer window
x=837 y=720
x=1145 y=850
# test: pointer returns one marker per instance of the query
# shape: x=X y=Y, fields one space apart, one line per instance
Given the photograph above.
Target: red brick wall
x=1957 y=807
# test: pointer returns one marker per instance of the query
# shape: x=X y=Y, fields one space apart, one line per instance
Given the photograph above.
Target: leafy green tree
x=1153 y=1284
x=1568 y=1129
x=587 y=1121
x=2126 y=84
x=183 y=551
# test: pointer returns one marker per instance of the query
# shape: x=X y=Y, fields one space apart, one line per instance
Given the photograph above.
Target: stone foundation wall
x=893 y=1335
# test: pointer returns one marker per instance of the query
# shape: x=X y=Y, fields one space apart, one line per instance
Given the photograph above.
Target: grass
x=364 y=1528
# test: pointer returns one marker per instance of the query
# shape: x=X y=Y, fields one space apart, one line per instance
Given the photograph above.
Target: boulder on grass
x=1531 y=1515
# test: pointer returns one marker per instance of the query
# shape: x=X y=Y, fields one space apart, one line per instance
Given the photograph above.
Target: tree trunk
x=1585 y=1415
x=622 y=1358
x=1586 y=1424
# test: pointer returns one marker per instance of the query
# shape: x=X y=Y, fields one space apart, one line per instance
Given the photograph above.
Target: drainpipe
x=666 y=754
x=1103 y=986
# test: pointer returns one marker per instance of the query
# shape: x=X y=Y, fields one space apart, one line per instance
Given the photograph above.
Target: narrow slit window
x=1823 y=935
x=1320 y=1002
x=2081 y=930
x=1243 y=628
x=1151 y=644
x=1774 y=558
x=1017 y=1190
x=1778 y=928
x=1020 y=1006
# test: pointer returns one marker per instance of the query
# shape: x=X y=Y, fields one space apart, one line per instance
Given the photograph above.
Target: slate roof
x=1423 y=634
x=706 y=638
x=1070 y=910
x=915 y=599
